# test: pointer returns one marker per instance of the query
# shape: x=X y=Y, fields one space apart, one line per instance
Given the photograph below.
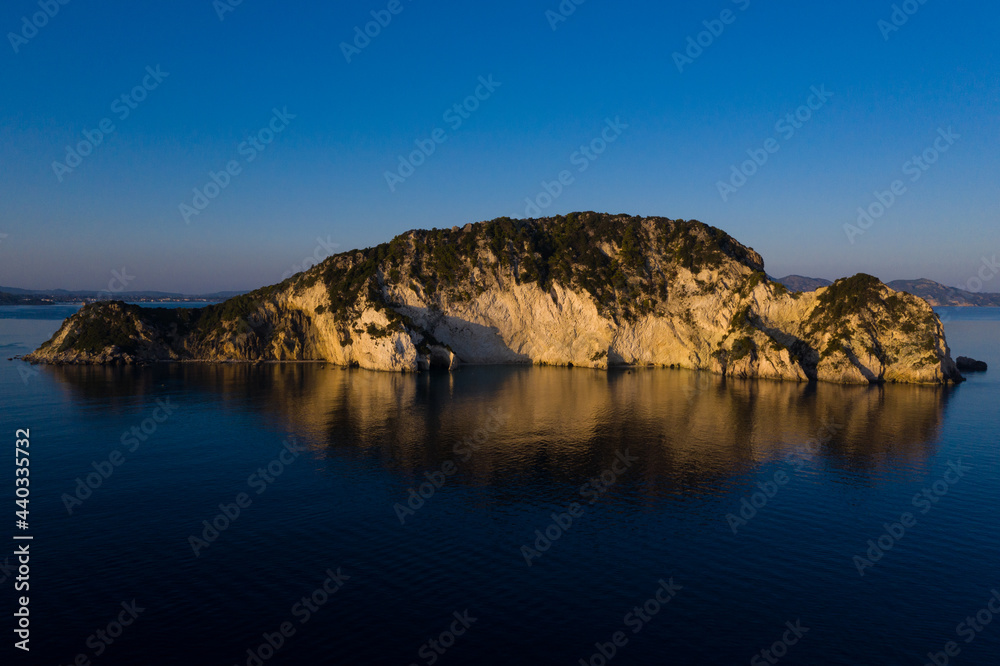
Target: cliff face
x=585 y=290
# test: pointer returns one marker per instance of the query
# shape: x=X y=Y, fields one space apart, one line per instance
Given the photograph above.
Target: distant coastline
x=935 y=293
x=15 y=296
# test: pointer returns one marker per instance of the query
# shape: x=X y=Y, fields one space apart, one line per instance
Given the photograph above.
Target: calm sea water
x=659 y=464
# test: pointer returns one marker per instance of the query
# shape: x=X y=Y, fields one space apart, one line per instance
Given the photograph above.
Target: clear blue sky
x=323 y=176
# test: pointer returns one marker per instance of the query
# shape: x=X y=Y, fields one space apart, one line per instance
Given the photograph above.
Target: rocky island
x=586 y=289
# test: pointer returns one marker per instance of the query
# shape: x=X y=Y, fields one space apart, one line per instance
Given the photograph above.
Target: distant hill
x=801 y=283
x=70 y=296
x=17 y=299
x=937 y=294
x=933 y=292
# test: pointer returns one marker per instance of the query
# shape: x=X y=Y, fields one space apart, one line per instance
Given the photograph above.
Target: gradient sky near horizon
x=323 y=177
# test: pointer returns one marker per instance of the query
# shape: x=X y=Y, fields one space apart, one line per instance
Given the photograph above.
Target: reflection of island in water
x=563 y=425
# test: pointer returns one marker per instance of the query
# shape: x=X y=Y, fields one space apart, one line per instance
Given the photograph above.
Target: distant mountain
x=937 y=294
x=801 y=283
x=71 y=296
x=933 y=292
x=18 y=299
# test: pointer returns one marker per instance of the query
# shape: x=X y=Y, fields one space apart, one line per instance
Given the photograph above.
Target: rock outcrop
x=966 y=364
x=586 y=290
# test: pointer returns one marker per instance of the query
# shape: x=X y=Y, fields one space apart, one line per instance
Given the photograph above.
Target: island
x=585 y=290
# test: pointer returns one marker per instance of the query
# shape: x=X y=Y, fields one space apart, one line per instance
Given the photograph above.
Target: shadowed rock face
x=585 y=290
x=966 y=364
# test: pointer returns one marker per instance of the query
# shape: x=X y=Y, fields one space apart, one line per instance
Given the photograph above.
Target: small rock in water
x=967 y=364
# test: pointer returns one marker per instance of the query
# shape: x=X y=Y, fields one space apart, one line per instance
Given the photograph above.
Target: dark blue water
x=509 y=447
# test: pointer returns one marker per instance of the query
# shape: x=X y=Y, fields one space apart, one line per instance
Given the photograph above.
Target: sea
x=306 y=514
